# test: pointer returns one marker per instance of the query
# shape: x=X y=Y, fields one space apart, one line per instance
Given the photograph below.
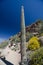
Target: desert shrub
x=28 y=36
x=37 y=57
x=41 y=29
x=33 y=43
x=4 y=44
x=16 y=38
x=41 y=34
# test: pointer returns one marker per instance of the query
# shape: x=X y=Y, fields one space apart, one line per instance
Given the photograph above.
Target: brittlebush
x=33 y=43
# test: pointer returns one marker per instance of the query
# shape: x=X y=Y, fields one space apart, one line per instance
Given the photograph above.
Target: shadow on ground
x=6 y=62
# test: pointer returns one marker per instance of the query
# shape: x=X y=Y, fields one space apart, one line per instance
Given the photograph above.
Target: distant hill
x=33 y=29
x=3 y=44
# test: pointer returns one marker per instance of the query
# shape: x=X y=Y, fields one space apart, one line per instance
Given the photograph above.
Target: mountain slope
x=33 y=29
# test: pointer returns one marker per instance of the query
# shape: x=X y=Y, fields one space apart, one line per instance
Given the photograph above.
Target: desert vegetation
x=3 y=44
x=37 y=57
x=34 y=42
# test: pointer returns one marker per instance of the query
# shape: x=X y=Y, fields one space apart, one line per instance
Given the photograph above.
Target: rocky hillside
x=33 y=29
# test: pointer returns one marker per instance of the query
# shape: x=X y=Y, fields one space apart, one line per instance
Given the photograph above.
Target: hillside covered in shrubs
x=34 y=43
x=35 y=29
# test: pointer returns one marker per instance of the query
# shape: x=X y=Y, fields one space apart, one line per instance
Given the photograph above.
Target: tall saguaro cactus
x=23 y=39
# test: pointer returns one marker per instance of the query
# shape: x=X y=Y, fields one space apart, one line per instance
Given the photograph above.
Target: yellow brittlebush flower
x=33 y=43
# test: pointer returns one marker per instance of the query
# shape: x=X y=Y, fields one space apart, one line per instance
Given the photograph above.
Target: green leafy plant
x=37 y=57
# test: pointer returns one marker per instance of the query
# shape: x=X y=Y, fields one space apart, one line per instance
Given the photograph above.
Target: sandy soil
x=11 y=56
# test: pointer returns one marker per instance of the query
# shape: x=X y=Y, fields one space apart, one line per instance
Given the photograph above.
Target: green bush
x=37 y=57
x=4 y=44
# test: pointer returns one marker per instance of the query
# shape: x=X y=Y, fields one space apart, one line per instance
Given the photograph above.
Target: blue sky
x=10 y=15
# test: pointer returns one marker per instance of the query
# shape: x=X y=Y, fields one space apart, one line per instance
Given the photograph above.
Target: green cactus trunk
x=23 y=39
